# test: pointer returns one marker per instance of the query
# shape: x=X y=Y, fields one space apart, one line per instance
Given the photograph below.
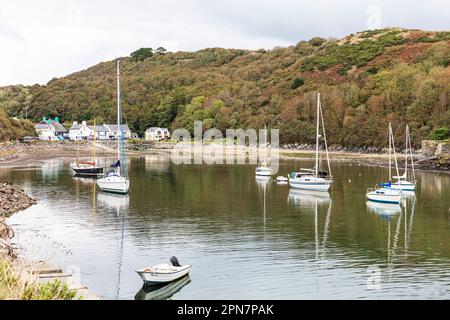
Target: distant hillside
x=366 y=80
x=11 y=129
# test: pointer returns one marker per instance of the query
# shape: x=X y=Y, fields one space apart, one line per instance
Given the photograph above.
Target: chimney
x=75 y=123
x=83 y=123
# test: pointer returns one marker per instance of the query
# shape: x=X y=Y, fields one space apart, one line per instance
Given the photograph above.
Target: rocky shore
x=13 y=200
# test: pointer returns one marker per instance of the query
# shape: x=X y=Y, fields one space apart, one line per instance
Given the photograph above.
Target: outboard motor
x=174 y=261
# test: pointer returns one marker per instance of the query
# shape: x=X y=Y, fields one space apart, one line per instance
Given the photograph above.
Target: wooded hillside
x=366 y=80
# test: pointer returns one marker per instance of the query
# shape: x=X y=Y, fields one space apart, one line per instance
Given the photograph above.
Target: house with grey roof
x=157 y=134
x=50 y=129
x=83 y=131
x=115 y=131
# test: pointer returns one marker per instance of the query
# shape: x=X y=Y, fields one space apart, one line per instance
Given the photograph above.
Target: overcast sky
x=50 y=38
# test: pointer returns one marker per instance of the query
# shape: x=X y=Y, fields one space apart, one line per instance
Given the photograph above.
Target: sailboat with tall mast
x=116 y=181
x=402 y=182
x=264 y=170
x=383 y=193
x=89 y=168
x=314 y=179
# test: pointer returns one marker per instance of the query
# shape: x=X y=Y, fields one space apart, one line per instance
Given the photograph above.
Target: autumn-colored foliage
x=366 y=80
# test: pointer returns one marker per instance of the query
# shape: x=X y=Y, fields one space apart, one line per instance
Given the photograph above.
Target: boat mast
x=410 y=151
x=325 y=140
x=118 y=109
x=406 y=153
x=390 y=153
x=95 y=159
x=317 y=135
x=393 y=150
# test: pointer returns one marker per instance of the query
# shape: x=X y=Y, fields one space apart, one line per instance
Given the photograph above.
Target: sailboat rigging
x=116 y=181
x=384 y=193
x=314 y=179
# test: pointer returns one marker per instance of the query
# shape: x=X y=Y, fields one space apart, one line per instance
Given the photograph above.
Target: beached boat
x=116 y=181
x=314 y=179
x=163 y=273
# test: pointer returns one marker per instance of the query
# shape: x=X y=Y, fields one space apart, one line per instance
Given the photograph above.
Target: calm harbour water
x=246 y=238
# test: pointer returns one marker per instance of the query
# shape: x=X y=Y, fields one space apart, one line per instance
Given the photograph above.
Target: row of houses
x=54 y=130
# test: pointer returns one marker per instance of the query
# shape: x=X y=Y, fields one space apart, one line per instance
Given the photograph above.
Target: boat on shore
x=314 y=179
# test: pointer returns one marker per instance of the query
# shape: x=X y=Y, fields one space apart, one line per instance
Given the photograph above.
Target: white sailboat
x=116 y=181
x=383 y=193
x=402 y=182
x=314 y=179
x=264 y=170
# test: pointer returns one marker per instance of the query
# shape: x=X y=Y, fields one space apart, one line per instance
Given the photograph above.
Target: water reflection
x=214 y=216
x=157 y=162
x=384 y=210
x=163 y=291
x=113 y=201
x=306 y=198
x=263 y=183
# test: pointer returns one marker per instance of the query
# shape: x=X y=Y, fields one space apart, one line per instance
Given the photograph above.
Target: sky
x=44 y=39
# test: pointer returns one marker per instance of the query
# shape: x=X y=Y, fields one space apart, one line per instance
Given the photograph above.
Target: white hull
x=115 y=184
x=404 y=185
x=384 y=196
x=315 y=184
x=264 y=172
x=163 y=273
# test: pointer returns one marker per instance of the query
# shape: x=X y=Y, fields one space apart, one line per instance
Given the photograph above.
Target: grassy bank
x=14 y=286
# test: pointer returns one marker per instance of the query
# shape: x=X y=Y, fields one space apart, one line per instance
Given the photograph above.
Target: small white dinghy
x=164 y=273
x=282 y=179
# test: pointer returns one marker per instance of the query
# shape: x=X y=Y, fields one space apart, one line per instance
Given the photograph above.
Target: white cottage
x=86 y=132
x=50 y=130
x=157 y=134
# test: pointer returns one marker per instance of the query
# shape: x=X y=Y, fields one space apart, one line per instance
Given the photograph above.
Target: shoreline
x=36 y=273
x=35 y=153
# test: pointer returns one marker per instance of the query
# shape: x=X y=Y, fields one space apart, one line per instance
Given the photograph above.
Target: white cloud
x=50 y=38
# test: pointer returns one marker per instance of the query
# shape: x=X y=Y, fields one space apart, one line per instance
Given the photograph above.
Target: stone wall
x=431 y=148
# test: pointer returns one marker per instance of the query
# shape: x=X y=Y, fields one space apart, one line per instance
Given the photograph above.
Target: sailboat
x=88 y=169
x=402 y=182
x=383 y=193
x=314 y=179
x=116 y=181
x=264 y=170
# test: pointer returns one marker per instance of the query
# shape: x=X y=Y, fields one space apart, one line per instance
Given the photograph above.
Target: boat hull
x=92 y=171
x=265 y=172
x=154 y=278
x=316 y=185
x=114 y=184
x=392 y=198
x=403 y=186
